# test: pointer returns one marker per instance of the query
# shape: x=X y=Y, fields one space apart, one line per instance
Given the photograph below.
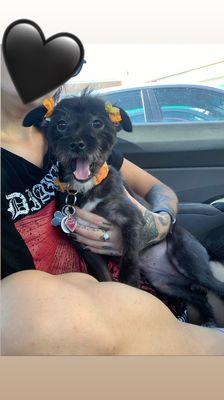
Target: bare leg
x=75 y=314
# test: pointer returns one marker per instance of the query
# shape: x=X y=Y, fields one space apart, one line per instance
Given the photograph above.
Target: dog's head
x=81 y=134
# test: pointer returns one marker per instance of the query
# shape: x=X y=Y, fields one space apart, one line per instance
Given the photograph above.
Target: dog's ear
x=125 y=122
x=35 y=116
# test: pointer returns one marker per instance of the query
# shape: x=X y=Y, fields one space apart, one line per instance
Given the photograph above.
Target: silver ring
x=106 y=236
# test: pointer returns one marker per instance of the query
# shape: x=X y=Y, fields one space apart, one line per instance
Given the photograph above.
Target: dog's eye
x=97 y=124
x=61 y=126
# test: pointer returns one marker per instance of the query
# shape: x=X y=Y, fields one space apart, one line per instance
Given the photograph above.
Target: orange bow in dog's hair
x=114 y=113
x=49 y=105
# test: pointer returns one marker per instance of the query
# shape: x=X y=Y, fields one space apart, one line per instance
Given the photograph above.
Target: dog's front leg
x=130 y=221
x=130 y=268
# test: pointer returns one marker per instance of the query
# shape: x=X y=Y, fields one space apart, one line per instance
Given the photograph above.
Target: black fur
x=177 y=267
x=214 y=243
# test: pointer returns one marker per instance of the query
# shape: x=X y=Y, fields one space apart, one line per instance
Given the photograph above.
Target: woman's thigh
x=47 y=314
x=44 y=314
x=76 y=278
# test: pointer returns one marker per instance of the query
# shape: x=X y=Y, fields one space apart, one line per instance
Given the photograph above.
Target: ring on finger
x=106 y=236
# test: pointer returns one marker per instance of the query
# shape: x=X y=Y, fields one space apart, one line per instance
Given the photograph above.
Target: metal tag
x=56 y=220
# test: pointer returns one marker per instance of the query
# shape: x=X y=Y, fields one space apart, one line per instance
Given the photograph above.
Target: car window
x=189 y=104
x=131 y=102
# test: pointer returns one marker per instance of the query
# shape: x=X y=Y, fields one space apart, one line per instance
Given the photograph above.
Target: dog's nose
x=78 y=146
x=81 y=145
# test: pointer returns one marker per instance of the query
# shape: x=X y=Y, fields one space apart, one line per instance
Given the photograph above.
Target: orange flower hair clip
x=114 y=113
x=49 y=105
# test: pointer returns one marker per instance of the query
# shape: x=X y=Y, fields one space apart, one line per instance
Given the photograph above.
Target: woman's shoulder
x=13 y=160
x=19 y=174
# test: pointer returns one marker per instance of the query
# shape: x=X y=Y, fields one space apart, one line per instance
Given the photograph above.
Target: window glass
x=130 y=101
x=189 y=104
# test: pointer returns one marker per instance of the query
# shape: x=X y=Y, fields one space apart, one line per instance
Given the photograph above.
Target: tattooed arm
x=150 y=188
x=158 y=195
x=156 y=227
x=164 y=204
x=161 y=197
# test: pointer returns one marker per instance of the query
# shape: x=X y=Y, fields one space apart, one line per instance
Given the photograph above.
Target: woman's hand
x=100 y=236
x=97 y=234
x=156 y=227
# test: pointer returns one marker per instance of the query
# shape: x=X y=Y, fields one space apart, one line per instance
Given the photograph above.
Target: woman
x=54 y=310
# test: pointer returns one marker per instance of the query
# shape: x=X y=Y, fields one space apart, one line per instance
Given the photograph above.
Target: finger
x=94 y=243
x=92 y=218
x=107 y=252
x=81 y=221
x=90 y=233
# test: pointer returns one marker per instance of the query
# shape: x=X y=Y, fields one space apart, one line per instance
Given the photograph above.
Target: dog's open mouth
x=82 y=169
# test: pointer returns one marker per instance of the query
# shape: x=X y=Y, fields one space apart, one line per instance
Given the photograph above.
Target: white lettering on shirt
x=17 y=204
x=33 y=199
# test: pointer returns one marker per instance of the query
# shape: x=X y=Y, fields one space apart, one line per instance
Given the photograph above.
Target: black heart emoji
x=36 y=65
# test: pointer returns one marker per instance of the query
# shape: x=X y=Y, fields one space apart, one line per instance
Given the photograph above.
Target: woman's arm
x=150 y=188
x=162 y=199
x=139 y=180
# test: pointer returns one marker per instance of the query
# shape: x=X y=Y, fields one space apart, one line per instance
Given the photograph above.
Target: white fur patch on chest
x=83 y=187
x=90 y=205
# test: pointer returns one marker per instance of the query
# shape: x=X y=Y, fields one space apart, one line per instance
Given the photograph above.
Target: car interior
x=188 y=157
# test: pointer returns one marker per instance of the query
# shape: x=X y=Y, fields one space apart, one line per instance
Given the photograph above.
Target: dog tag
x=71 y=223
x=68 y=224
x=58 y=216
x=63 y=226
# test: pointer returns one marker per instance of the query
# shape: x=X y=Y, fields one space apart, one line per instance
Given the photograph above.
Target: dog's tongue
x=82 y=171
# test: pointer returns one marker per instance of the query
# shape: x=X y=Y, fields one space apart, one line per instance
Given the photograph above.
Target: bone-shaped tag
x=58 y=216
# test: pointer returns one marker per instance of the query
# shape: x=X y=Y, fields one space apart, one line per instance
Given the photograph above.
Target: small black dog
x=81 y=133
x=81 y=136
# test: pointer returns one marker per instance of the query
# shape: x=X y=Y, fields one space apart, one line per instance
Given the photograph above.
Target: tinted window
x=189 y=104
x=130 y=101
